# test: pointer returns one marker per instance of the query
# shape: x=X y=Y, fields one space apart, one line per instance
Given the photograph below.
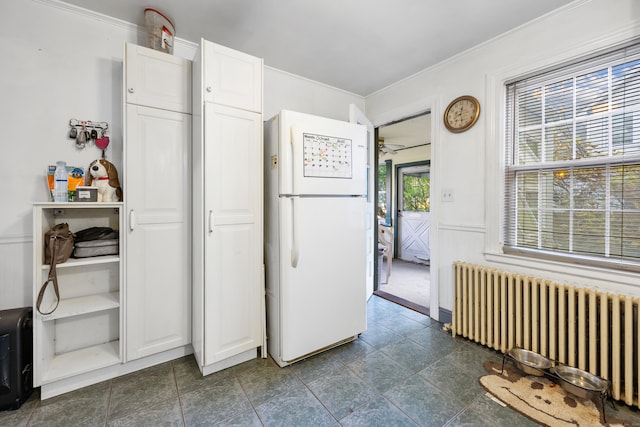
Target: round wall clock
x=461 y=114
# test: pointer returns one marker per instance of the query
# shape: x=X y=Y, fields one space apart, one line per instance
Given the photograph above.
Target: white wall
x=468 y=228
x=407 y=155
x=285 y=91
x=61 y=62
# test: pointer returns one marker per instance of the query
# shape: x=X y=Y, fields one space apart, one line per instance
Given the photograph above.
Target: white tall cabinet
x=157 y=193
x=228 y=288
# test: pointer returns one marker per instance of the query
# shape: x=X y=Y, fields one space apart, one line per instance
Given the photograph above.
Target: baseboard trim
x=103 y=374
x=446 y=316
x=229 y=362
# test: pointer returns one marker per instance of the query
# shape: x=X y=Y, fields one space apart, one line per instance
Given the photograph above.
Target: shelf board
x=79 y=205
x=83 y=360
x=79 y=262
x=84 y=305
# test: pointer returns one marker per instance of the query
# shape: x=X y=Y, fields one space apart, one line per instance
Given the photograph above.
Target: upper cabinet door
x=157 y=79
x=231 y=78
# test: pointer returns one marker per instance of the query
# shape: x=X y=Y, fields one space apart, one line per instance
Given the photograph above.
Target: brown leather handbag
x=58 y=248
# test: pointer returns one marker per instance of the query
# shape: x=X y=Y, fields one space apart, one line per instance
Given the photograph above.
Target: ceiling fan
x=388 y=148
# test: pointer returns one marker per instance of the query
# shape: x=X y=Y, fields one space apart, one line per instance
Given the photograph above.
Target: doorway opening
x=403 y=212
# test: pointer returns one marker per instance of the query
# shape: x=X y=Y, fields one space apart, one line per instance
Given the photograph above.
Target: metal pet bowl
x=579 y=382
x=530 y=362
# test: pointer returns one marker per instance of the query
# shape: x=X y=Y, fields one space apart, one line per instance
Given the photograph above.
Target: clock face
x=461 y=114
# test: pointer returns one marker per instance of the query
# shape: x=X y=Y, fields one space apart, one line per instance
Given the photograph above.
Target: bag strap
x=52 y=278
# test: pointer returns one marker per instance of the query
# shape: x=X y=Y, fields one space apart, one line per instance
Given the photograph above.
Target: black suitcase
x=16 y=357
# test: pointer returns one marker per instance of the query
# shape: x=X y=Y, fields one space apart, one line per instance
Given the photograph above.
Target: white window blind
x=572 y=170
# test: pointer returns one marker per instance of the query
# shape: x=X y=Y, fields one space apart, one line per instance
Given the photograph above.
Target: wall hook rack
x=83 y=131
x=88 y=124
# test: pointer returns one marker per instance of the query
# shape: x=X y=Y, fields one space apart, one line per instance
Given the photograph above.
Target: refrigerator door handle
x=294 y=159
x=295 y=254
x=210 y=221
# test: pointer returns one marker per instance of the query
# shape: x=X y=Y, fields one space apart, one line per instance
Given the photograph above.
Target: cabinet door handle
x=210 y=221
x=130 y=90
x=209 y=89
x=132 y=220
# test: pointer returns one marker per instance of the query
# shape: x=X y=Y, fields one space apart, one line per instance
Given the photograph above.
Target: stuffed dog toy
x=103 y=175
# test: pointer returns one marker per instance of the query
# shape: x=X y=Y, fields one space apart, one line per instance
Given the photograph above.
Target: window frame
x=511 y=168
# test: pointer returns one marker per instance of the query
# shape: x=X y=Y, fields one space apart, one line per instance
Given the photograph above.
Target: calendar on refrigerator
x=327 y=156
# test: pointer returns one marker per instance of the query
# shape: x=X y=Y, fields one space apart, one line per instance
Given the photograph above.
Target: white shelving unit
x=83 y=333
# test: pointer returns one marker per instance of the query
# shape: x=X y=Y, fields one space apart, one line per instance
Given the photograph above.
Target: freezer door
x=317 y=156
x=322 y=264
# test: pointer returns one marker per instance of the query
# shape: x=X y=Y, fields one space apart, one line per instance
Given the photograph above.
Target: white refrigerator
x=315 y=261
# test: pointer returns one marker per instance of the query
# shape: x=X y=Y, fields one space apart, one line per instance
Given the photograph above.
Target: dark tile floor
x=404 y=371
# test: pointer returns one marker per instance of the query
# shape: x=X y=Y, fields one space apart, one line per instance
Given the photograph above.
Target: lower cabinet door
x=233 y=286
x=158 y=230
